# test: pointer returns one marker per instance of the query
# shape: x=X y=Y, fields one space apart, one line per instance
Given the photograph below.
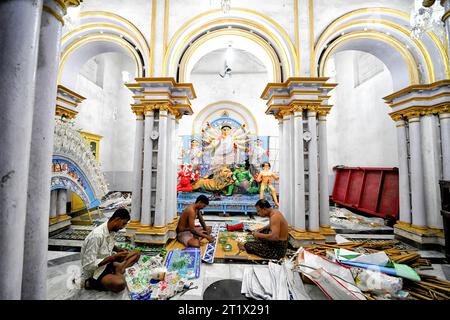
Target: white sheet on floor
x=274 y=282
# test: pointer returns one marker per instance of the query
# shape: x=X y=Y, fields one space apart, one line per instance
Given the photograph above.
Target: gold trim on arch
x=236 y=104
x=118 y=18
x=238 y=32
x=257 y=25
x=395 y=13
x=72 y=47
x=409 y=59
x=297 y=36
x=401 y=29
x=95 y=25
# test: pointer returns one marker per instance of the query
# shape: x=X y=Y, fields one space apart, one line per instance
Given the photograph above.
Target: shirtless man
x=272 y=240
x=187 y=233
x=265 y=177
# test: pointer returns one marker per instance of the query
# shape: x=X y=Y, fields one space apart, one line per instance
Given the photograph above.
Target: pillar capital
x=297 y=94
x=163 y=94
x=67 y=102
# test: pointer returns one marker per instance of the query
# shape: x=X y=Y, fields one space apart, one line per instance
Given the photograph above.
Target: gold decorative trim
x=53 y=13
x=152 y=41
x=276 y=67
x=176 y=51
x=445 y=16
x=61 y=111
x=166 y=25
x=416 y=87
x=391 y=41
x=98 y=37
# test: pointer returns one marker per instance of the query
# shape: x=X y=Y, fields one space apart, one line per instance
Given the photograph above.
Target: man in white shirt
x=101 y=269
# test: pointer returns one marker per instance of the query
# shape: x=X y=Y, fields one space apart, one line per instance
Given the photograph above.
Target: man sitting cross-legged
x=272 y=240
x=187 y=233
x=101 y=269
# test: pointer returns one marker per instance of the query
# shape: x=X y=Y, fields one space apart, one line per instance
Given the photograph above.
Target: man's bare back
x=279 y=225
x=188 y=213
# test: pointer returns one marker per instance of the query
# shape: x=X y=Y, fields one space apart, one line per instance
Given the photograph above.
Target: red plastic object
x=370 y=190
x=235 y=227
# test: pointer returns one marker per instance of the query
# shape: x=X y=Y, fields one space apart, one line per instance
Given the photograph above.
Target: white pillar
x=282 y=166
x=157 y=40
x=34 y=284
x=61 y=202
x=175 y=173
x=20 y=25
x=161 y=183
x=136 y=200
x=324 y=202
x=53 y=203
x=444 y=119
x=287 y=170
x=417 y=190
x=299 y=178
x=169 y=174
x=431 y=156
x=146 y=214
x=313 y=174
x=403 y=172
x=304 y=38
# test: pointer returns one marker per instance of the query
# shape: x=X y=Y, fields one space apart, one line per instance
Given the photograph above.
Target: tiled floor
x=62 y=265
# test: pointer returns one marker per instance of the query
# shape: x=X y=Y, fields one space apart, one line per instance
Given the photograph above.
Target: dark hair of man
x=262 y=166
x=120 y=213
x=263 y=203
x=226 y=126
x=203 y=199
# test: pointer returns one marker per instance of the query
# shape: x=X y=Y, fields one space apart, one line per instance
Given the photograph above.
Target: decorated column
x=444 y=119
x=417 y=186
x=313 y=185
x=136 y=199
x=148 y=191
x=61 y=203
x=403 y=172
x=295 y=100
x=53 y=206
x=418 y=111
x=324 y=196
x=162 y=100
x=299 y=176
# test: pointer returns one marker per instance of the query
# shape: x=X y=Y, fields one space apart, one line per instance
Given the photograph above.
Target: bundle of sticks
x=391 y=247
x=429 y=288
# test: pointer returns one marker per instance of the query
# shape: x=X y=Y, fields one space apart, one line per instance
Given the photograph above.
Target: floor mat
x=227 y=289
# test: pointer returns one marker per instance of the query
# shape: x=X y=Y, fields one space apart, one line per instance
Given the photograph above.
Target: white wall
x=245 y=89
x=97 y=115
x=360 y=131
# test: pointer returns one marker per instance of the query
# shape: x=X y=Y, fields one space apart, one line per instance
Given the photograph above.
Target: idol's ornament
x=74 y=166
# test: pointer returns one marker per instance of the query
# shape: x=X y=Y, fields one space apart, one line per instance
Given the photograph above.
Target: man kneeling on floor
x=187 y=233
x=272 y=240
x=101 y=269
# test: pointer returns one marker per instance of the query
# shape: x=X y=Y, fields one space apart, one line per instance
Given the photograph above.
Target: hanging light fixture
x=426 y=16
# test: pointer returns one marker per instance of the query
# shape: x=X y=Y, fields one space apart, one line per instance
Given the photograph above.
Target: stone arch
x=97 y=33
x=215 y=109
x=261 y=30
x=384 y=33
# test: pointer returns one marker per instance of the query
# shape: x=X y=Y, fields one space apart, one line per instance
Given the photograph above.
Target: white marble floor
x=62 y=266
